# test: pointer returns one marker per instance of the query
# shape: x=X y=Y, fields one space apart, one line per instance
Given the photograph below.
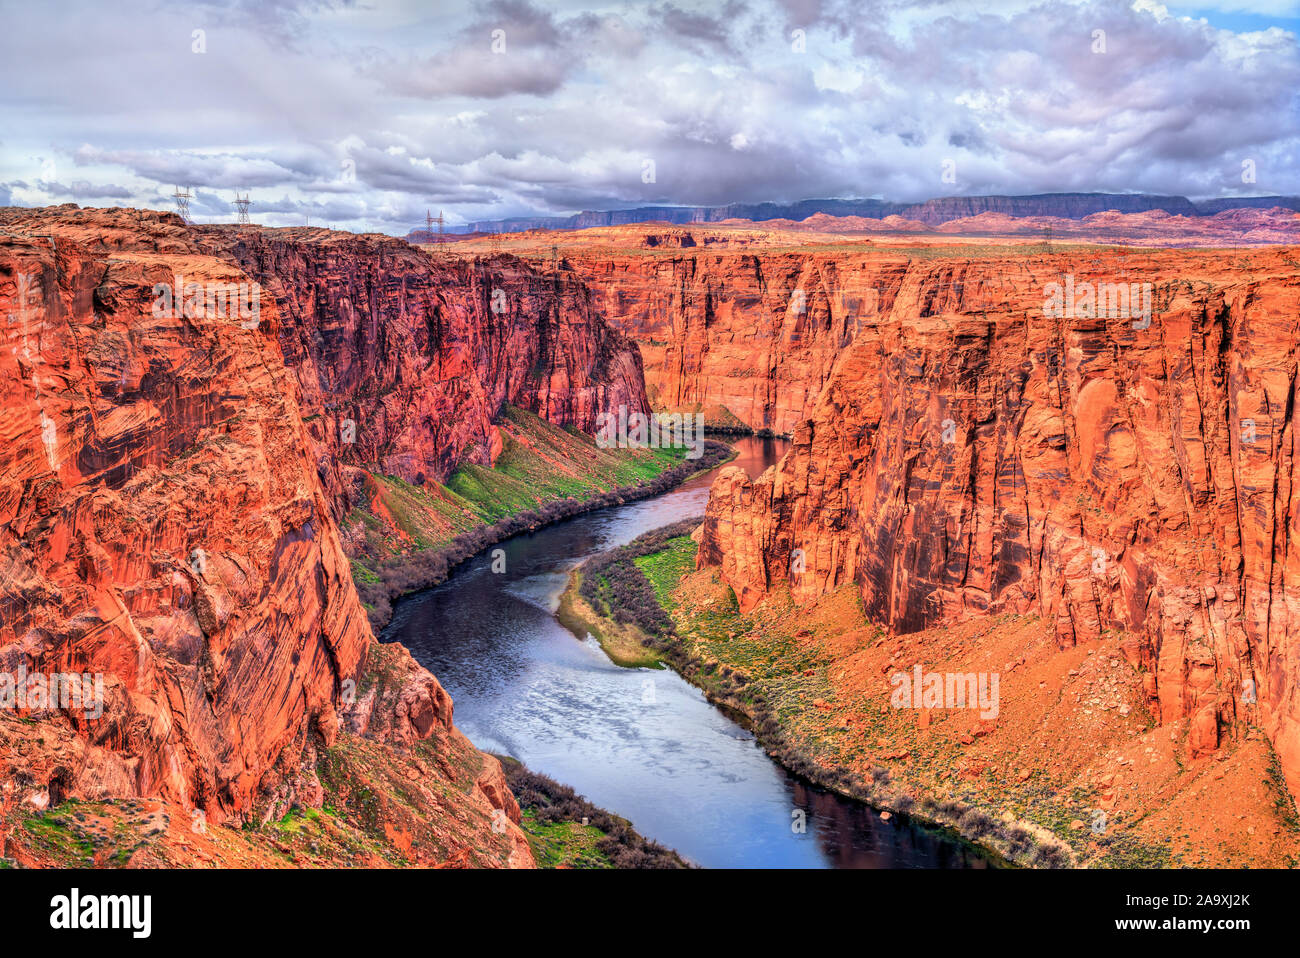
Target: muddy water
x=641 y=743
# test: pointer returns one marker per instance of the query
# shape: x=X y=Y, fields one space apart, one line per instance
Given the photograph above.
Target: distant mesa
x=900 y=216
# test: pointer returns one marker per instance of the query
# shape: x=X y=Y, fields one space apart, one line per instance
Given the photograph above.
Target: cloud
x=698 y=31
x=512 y=47
x=474 y=73
x=369 y=113
x=82 y=190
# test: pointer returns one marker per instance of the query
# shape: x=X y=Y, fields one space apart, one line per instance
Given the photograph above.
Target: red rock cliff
x=160 y=518
x=165 y=513
x=731 y=330
x=970 y=455
x=421 y=353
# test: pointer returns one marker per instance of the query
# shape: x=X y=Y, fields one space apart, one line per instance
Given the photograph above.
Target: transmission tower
x=496 y=241
x=242 y=203
x=182 y=203
x=430 y=219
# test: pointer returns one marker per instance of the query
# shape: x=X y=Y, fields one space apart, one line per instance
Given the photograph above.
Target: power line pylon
x=183 y=203
x=496 y=241
x=430 y=219
x=242 y=203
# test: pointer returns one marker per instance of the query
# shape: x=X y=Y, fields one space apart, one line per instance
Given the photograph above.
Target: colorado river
x=641 y=743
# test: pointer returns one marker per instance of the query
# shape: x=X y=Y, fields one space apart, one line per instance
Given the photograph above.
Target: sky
x=363 y=114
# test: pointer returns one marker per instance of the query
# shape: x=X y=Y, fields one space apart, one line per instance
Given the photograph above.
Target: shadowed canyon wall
x=404 y=361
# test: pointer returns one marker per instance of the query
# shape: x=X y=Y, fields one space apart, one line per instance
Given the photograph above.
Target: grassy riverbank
x=764 y=676
x=408 y=537
x=539 y=463
x=612 y=598
x=1072 y=770
x=567 y=831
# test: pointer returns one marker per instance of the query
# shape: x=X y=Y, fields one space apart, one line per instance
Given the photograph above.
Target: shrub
x=550 y=801
x=975 y=823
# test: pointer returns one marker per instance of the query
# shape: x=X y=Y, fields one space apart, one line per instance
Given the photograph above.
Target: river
x=641 y=743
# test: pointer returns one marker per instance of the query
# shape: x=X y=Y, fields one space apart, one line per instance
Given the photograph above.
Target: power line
x=430 y=219
x=242 y=203
x=183 y=203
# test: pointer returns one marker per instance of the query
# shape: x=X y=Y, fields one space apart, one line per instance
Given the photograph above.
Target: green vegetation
x=563 y=844
x=409 y=538
x=361 y=574
x=624 y=643
x=666 y=568
x=775 y=679
x=567 y=831
x=52 y=834
x=541 y=461
x=80 y=834
x=612 y=597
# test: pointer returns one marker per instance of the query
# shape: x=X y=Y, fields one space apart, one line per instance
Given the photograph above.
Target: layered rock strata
x=975 y=450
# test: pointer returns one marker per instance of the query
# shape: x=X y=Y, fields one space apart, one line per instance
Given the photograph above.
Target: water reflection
x=642 y=743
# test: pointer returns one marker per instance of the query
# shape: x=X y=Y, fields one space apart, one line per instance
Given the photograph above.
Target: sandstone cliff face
x=745 y=320
x=755 y=333
x=970 y=455
x=160 y=519
x=404 y=359
x=170 y=479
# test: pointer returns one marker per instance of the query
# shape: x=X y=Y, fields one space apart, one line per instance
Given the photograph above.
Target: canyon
x=745 y=322
x=186 y=496
x=173 y=481
x=969 y=456
x=963 y=448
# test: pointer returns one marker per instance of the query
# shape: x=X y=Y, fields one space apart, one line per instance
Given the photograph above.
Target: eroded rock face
x=746 y=320
x=755 y=333
x=404 y=704
x=970 y=455
x=166 y=496
x=161 y=521
x=405 y=359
